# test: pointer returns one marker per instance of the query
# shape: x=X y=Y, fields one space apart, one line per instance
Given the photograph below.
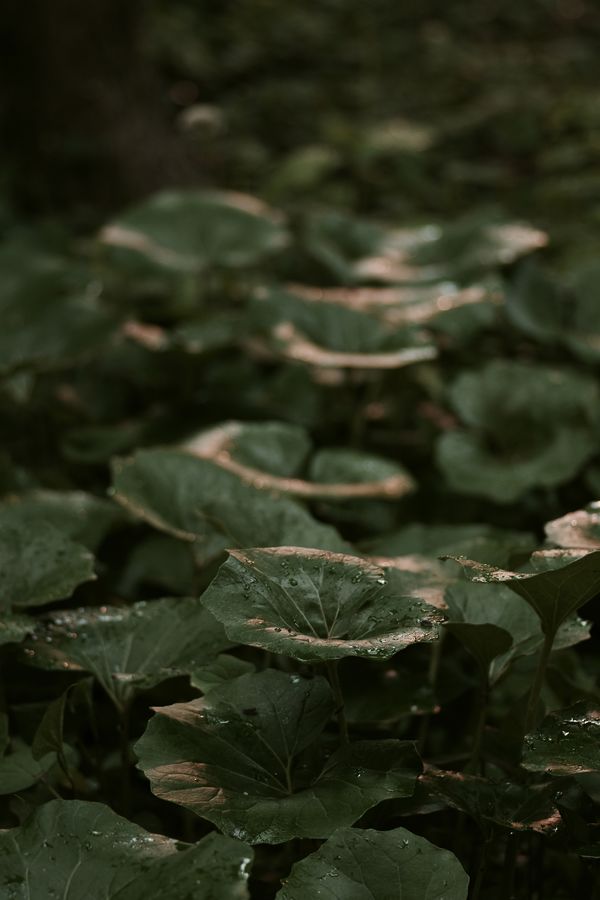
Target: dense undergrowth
x=310 y=627
x=299 y=551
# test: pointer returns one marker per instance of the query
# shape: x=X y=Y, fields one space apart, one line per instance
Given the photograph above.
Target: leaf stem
x=334 y=680
x=124 y=726
x=475 y=762
x=538 y=681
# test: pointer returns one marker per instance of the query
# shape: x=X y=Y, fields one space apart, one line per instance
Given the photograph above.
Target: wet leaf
x=361 y=864
x=515 y=806
x=77 y=515
x=129 y=648
x=87 y=851
x=39 y=564
x=250 y=757
x=554 y=594
x=566 y=743
x=313 y=605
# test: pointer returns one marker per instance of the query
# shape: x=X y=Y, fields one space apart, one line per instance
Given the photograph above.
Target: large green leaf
x=85 y=851
x=361 y=864
x=554 y=594
x=566 y=743
x=313 y=605
x=130 y=648
x=251 y=758
x=198 y=501
x=77 y=515
x=496 y=604
x=528 y=426
x=484 y=642
x=190 y=231
x=49 y=311
x=559 y=312
x=39 y=564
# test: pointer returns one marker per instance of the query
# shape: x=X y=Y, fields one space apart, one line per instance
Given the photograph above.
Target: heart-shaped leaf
x=566 y=743
x=190 y=231
x=129 y=648
x=554 y=594
x=39 y=564
x=87 y=852
x=198 y=501
x=361 y=864
x=313 y=605
x=250 y=757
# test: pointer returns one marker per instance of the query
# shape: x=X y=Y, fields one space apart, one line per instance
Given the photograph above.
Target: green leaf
x=554 y=594
x=496 y=604
x=381 y=695
x=515 y=806
x=485 y=642
x=485 y=543
x=250 y=757
x=198 y=501
x=357 y=864
x=49 y=736
x=77 y=515
x=343 y=465
x=130 y=648
x=39 y=564
x=191 y=231
x=19 y=769
x=88 y=852
x=49 y=311
x=579 y=529
x=14 y=628
x=313 y=605
x=161 y=561
x=528 y=426
x=566 y=743
x=224 y=668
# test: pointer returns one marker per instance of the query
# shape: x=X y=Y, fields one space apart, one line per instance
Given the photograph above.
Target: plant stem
x=475 y=761
x=536 y=687
x=334 y=680
x=510 y=861
x=125 y=721
x=477 y=880
x=435 y=658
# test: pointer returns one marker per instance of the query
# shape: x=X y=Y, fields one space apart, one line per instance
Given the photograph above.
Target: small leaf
x=360 y=864
x=554 y=594
x=130 y=648
x=566 y=743
x=39 y=564
x=579 y=529
x=224 y=668
x=88 y=852
x=250 y=757
x=49 y=736
x=313 y=605
x=14 y=628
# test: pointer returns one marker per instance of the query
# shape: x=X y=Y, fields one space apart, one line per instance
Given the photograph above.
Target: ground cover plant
x=279 y=616
x=300 y=461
